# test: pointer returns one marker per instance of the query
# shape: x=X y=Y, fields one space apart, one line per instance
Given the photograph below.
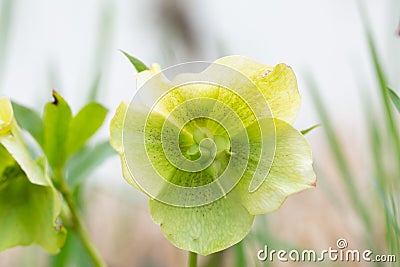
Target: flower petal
x=205 y=229
x=6 y=115
x=18 y=150
x=116 y=133
x=143 y=76
x=117 y=126
x=291 y=172
x=11 y=139
x=278 y=84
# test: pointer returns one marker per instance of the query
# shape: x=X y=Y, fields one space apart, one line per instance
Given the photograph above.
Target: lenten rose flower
x=244 y=130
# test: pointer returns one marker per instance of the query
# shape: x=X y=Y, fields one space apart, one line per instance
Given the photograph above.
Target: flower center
x=209 y=143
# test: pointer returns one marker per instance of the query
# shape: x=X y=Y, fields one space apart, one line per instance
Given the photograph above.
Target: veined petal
x=155 y=148
x=278 y=84
x=291 y=172
x=116 y=133
x=205 y=229
x=117 y=126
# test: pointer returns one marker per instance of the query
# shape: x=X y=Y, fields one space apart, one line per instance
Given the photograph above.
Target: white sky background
x=321 y=38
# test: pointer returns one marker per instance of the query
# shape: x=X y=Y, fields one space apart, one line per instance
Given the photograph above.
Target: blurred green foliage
x=384 y=147
x=63 y=138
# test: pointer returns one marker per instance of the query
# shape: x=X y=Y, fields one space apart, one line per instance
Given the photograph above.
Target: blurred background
x=72 y=46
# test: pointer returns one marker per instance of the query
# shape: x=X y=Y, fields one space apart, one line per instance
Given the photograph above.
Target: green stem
x=192 y=259
x=77 y=222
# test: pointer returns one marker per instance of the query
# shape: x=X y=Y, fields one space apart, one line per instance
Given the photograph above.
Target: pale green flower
x=29 y=204
x=219 y=224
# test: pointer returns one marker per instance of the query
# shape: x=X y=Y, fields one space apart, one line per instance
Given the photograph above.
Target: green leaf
x=56 y=118
x=28 y=211
x=215 y=259
x=95 y=86
x=240 y=254
x=29 y=204
x=346 y=173
x=29 y=120
x=305 y=131
x=6 y=160
x=81 y=165
x=84 y=125
x=139 y=65
x=390 y=120
x=395 y=99
x=73 y=253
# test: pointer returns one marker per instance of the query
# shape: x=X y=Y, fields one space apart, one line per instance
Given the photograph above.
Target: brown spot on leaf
x=58 y=227
x=55 y=101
